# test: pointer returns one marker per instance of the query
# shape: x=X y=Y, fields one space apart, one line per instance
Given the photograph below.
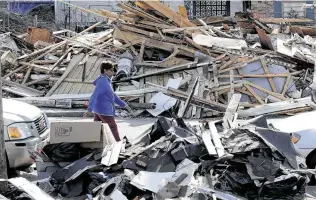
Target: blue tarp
x=23 y=7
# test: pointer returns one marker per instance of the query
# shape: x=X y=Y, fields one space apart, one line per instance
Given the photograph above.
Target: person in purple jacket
x=103 y=99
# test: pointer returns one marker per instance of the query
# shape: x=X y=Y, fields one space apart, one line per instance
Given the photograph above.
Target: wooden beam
x=183 y=12
x=286 y=84
x=27 y=75
x=254 y=94
x=188 y=101
x=59 y=60
x=60 y=80
x=126 y=40
x=188 y=66
x=14 y=71
x=169 y=13
x=254 y=75
x=38 y=80
x=266 y=70
x=277 y=95
x=141 y=52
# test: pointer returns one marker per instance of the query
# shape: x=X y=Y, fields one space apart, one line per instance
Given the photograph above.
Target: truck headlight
x=295 y=137
x=19 y=131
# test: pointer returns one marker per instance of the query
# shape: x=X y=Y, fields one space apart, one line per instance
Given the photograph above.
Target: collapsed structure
x=160 y=53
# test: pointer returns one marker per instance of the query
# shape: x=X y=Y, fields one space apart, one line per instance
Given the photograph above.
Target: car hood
x=16 y=111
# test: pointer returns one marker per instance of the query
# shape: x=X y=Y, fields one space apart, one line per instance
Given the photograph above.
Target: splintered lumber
x=183 y=50
x=188 y=66
x=149 y=34
x=139 y=12
x=126 y=40
x=168 y=12
x=55 y=46
x=276 y=107
x=187 y=102
x=196 y=101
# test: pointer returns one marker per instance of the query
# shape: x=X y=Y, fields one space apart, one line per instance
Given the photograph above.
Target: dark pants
x=111 y=122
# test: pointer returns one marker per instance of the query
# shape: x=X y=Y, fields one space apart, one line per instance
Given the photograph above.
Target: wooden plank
x=60 y=60
x=141 y=85
x=152 y=35
x=65 y=74
x=143 y=6
x=93 y=68
x=141 y=52
x=14 y=71
x=231 y=80
x=216 y=84
x=38 y=80
x=139 y=12
x=255 y=75
x=254 y=94
x=230 y=111
x=168 y=12
x=266 y=70
x=286 y=85
x=183 y=12
x=127 y=41
x=155 y=24
x=227 y=64
x=188 y=66
x=277 y=95
x=116 y=16
x=27 y=75
x=188 y=100
x=276 y=107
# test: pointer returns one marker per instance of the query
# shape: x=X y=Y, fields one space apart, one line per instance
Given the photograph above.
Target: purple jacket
x=103 y=98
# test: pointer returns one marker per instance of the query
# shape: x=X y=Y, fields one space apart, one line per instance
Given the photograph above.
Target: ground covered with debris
x=166 y=65
x=173 y=160
x=161 y=58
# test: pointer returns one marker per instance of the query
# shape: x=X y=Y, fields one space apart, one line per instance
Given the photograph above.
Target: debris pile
x=160 y=53
x=174 y=159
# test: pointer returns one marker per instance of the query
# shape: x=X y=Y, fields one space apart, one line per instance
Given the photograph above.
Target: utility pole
x=3 y=159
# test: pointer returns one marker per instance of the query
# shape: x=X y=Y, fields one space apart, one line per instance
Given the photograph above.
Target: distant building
x=196 y=9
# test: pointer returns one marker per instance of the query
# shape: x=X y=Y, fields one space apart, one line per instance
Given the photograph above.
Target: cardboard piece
x=106 y=139
x=75 y=132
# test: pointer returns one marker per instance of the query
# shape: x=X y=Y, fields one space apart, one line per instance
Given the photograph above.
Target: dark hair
x=105 y=66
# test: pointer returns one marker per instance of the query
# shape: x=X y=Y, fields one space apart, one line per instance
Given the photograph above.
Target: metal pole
x=3 y=159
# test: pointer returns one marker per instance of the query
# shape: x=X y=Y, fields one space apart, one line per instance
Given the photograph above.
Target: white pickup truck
x=25 y=127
